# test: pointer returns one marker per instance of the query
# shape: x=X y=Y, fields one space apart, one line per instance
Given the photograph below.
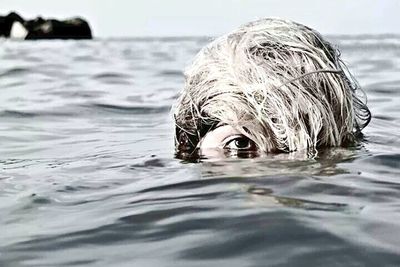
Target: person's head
x=270 y=86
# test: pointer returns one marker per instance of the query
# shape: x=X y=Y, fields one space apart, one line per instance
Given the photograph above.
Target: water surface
x=88 y=175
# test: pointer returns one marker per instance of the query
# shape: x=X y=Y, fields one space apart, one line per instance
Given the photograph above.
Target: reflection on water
x=88 y=175
x=325 y=163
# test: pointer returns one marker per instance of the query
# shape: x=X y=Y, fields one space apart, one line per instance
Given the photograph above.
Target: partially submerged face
x=225 y=140
x=270 y=86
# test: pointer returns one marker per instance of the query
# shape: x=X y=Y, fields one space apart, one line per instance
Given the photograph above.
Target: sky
x=124 y=18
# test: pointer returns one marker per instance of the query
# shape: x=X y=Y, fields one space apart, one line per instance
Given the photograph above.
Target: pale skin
x=225 y=139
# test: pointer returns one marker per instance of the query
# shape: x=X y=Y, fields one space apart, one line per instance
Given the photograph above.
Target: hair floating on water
x=277 y=82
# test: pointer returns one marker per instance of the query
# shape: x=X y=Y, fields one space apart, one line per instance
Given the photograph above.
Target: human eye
x=240 y=143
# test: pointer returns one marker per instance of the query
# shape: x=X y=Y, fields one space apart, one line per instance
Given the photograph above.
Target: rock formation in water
x=14 y=26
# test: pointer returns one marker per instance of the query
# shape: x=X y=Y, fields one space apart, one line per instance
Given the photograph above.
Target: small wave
x=384 y=118
x=85 y=58
x=391 y=161
x=28 y=114
x=171 y=73
x=316 y=205
x=16 y=114
x=109 y=75
x=77 y=94
x=131 y=109
x=39 y=200
x=15 y=71
x=366 y=37
x=384 y=87
x=84 y=109
x=377 y=65
x=112 y=78
x=154 y=162
x=162 y=56
x=78 y=188
x=193 y=184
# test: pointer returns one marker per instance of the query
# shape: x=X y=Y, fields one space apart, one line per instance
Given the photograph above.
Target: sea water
x=88 y=175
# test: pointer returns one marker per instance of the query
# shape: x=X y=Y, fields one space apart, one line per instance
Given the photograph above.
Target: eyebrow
x=186 y=142
x=205 y=128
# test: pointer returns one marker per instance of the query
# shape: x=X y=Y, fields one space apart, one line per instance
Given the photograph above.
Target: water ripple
x=130 y=109
x=88 y=175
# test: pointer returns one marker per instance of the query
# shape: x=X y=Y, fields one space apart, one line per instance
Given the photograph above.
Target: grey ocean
x=88 y=175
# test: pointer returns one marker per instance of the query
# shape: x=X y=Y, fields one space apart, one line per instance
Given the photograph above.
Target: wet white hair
x=276 y=81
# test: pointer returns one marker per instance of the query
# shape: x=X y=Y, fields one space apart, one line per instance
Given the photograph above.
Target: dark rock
x=6 y=23
x=40 y=28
